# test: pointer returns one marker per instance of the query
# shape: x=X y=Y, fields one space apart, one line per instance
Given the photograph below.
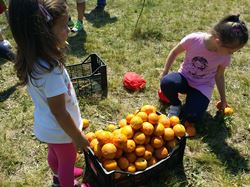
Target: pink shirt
x=200 y=65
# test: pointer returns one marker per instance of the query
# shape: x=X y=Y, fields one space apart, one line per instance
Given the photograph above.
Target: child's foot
x=78 y=26
x=190 y=129
x=174 y=110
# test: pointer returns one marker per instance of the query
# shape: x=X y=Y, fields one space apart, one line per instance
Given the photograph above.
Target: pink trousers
x=61 y=159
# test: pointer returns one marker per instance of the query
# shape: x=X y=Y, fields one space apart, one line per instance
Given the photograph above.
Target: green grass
x=218 y=156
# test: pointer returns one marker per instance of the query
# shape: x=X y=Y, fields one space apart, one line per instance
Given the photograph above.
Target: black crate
x=89 y=77
x=127 y=179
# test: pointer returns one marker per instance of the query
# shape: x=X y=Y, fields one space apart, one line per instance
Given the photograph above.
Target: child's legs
x=66 y=156
x=195 y=106
x=52 y=159
x=171 y=85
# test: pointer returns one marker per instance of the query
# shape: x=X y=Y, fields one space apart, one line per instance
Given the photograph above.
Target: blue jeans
x=101 y=3
x=196 y=103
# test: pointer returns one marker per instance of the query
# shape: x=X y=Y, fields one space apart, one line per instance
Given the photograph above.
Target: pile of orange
x=140 y=140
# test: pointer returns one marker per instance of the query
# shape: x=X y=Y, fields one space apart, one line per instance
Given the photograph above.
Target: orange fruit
x=123 y=163
x=141 y=163
x=140 y=150
x=156 y=142
x=139 y=138
x=127 y=131
x=131 y=157
x=228 y=111
x=136 y=122
x=97 y=150
x=129 y=117
x=104 y=137
x=152 y=161
x=147 y=128
x=93 y=143
x=190 y=130
x=85 y=123
x=168 y=134
x=179 y=130
x=148 y=109
x=148 y=152
x=116 y=131
x=153 y=118
x=131 y=168
x=164 y=120
x=109 y=151
x=90 y=136
x=172 y=143
x=111 y=127
x=122 y=123
x=143 y=116
x=119 y=140
x=129 y=146
x=174 y=120
x=159 y=129
x=161 y=153
x=109 y=165
x=118 y=153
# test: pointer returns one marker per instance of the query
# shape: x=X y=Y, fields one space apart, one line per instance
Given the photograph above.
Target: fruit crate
x=89 y=77
x=127 y=179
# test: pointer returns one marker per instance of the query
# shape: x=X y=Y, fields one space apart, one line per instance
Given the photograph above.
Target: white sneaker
x=174 y=110
x=6 y=43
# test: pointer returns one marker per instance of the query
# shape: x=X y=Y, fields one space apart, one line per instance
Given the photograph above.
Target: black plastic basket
x=89 y=77
x=127 y=179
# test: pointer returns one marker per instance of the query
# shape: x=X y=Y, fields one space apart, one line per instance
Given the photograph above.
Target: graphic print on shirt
x=198 y=66
x=71 y=92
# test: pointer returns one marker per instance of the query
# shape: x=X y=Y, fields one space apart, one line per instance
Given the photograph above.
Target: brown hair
x=32 y=31
x=231 y=31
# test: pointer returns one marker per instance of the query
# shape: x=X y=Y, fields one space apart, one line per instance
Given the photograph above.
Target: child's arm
x=58 y=108
x=220 y=83
x=171 y=58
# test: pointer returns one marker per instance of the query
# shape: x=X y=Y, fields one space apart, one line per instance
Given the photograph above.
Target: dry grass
x=218 y=156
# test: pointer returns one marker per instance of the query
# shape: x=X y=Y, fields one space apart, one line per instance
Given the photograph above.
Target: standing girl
x=206 y=57
x=40 y=30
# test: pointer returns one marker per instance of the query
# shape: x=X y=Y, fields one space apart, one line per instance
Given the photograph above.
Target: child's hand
x=81 y=143
x=220 y=105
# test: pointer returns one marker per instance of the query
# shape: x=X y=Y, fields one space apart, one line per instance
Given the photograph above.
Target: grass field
x=218 y=156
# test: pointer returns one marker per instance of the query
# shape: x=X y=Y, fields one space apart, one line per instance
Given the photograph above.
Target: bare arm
x=171 y=58
x=220 y=83
x=58 y=108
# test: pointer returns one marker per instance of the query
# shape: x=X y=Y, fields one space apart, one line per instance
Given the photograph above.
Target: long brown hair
x=31 y=23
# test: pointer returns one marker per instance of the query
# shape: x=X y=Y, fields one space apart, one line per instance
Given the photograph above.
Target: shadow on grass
x=215 y=130
x=77 y=44
x=7 y=93
x=100 y=18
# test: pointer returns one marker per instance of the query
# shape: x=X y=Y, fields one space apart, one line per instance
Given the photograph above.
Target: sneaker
x=174 y=110
x=6 y=43
x=77 y=27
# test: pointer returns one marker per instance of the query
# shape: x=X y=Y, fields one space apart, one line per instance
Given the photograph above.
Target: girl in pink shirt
x=206 y=57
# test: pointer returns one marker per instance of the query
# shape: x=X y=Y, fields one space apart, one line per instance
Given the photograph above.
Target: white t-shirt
x=46 y=127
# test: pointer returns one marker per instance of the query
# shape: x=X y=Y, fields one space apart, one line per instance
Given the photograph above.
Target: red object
x=2 y=6
x=162 y=97
x=133 y=81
